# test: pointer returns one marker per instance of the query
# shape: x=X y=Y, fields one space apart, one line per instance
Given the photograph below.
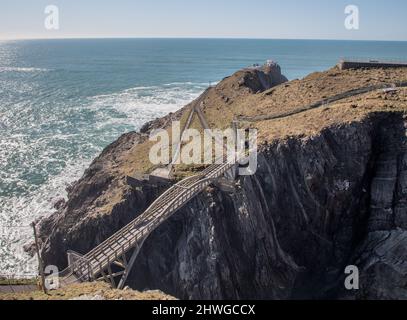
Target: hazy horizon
x=380 y=20
x=196 y=38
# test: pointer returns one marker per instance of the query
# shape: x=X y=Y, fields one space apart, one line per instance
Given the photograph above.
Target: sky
x=280 y=19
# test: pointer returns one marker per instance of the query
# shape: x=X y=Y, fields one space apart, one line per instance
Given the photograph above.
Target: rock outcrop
x=317 y=203
x=290 y=230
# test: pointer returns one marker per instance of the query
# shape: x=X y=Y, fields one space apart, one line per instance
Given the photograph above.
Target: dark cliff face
x=314 y=206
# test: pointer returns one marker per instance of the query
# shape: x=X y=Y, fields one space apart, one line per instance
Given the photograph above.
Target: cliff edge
x=330 y=191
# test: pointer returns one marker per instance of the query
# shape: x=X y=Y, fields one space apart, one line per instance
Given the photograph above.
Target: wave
x=22 y=69
x=200 y=84
x=18 y=212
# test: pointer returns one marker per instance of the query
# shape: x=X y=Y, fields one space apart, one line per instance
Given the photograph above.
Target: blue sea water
x=63 y=101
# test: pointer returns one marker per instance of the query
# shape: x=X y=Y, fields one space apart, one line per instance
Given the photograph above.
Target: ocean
x=63 y=101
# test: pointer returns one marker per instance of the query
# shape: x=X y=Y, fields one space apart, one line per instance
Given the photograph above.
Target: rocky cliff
x=330 y=191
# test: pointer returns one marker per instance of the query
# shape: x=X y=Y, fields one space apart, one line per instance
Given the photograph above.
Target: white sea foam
x=19 y=211
x=22 y=69
x=140 y=104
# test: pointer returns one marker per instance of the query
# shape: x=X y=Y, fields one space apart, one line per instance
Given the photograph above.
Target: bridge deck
x=134 y=234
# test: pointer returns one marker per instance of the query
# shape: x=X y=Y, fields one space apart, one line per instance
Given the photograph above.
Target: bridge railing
x=79 y=265
x=100 y=248
x=183 y=197
x=87 y=267
x=170 y=208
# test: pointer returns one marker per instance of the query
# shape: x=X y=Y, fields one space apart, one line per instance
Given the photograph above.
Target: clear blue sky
x=290 y=19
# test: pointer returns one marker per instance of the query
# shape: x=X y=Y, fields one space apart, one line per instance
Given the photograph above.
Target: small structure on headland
x=359 y=64
x=271 y=63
